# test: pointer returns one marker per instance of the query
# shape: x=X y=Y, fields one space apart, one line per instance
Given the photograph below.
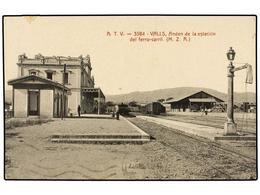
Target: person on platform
x=206 y=111
x=79 y=110
x=114 y=111
x=117 y=111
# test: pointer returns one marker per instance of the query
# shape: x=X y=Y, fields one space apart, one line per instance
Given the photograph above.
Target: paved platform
x=98 y=131
x=96 y=116
x=208 y=132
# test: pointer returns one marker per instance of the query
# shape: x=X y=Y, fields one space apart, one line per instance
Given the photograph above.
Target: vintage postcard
x=130 y=97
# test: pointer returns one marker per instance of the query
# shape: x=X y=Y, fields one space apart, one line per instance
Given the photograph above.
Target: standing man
x=117 y=112
x=206 y=111
x=79 y=109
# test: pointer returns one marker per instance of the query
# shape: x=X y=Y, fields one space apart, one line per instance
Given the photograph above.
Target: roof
x=37 y=78
x=93 y=90
x=186 y=94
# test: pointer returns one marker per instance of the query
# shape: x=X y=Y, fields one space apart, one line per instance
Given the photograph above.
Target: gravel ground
x=30 y=155
x=216 y=163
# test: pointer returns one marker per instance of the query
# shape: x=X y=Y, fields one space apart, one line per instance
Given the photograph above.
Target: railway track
x=202 y=152
x=216 y=147
x=226 y=176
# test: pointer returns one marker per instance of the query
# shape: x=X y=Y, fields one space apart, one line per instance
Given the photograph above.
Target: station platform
x=95 y=116
x=208 y=132
x=96 y=131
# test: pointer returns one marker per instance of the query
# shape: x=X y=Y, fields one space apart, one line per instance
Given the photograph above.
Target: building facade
x=192 y=102
x=37 y=96
x=77 y=78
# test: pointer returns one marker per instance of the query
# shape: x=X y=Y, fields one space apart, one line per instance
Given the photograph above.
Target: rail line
x=216 y=146
x=197 y=143
x=227 y=176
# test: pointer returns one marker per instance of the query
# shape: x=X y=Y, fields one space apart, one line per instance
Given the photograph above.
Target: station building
x=42 y=82
x=192 y=101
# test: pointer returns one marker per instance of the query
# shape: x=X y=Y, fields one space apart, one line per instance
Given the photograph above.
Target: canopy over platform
x=93 y=100
x=96 y=92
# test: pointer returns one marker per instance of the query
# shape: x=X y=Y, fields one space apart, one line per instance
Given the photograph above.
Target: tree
x=110 y=103
x=133 y=104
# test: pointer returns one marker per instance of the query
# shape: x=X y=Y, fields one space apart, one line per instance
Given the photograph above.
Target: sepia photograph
x=130 y=97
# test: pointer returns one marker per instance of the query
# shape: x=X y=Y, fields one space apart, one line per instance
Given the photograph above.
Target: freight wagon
x=153 y=108
x=123 y=109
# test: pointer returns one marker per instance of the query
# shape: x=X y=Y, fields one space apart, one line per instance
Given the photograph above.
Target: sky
x=120 y=66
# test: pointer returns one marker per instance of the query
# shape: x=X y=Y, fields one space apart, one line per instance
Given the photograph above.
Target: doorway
x=33 y=102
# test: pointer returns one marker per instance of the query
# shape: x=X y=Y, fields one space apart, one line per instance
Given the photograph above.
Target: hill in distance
x=149 y=96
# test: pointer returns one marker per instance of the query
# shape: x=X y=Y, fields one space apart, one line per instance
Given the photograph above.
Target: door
x=33 y=103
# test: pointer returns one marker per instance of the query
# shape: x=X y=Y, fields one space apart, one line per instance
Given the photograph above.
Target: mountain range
x=149 y=96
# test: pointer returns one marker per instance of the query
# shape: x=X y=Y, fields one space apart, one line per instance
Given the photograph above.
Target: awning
x=95 y=91
x=202 y=100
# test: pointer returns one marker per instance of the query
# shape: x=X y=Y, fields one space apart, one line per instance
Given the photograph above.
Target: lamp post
x=230 y=127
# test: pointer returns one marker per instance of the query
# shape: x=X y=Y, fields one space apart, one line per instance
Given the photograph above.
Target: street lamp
x=230 y=127
x=231 y=54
